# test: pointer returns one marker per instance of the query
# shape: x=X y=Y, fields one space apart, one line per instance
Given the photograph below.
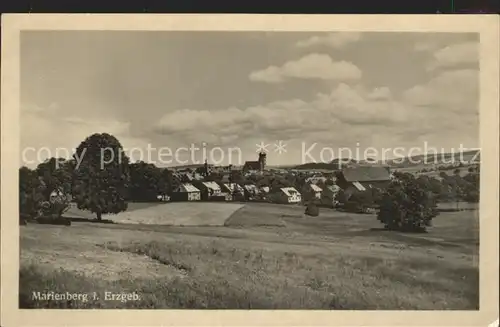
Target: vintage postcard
x=249 y=170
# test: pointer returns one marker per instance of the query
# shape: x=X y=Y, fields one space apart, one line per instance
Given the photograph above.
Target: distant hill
x=438 y=159
x=317 y=165
x=333 y=165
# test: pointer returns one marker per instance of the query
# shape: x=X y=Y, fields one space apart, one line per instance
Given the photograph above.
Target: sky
x=162 y=92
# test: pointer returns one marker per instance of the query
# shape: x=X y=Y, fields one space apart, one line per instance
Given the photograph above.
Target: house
x=235 y=191
x=311 y=192
x=186 y=192
x=211 y=191
x=288 y=195
x=316 y=179
x=265 y=189
x=232 y=188
x=328 y=195
x=251 y=191
x=361 y=178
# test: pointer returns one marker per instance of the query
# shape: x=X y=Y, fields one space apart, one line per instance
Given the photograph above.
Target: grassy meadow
x=263 y=256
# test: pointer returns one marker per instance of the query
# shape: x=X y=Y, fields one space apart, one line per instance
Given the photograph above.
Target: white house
x=316 y=190
x=290 y=195
x=234 y=188
x=210 y=190
x=186 y=192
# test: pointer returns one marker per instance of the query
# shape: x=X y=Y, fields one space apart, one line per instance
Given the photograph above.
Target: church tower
x=205 y=168
x=262 y=161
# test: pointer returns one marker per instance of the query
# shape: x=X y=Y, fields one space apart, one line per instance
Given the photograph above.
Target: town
x=271 y=229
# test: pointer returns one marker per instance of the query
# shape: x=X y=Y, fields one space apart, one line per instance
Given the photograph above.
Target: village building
x=287 y=195
x=315 y=179
x=211 y=191
x=186 y=192
x=361 y=178
x=311 y=192
x=254 y=167
x=329 y=195
x=251 y=192
x=234 y=191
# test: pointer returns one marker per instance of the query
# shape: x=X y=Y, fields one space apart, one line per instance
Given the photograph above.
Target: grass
x=334 y=261
x=175 y=213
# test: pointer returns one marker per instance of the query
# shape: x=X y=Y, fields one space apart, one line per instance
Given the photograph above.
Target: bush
x=31 y=193
x=312 y=210
x=406 y=205
x=361 y=201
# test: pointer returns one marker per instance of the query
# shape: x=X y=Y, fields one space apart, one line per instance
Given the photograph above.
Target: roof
x=289 y=191
x=315 y=188
x=254 y=165
x=315 y=179
x=232 y=186
x=250 y=187
x=186 y=187
x=212 y=185
x=366 y=174
x=358 y=186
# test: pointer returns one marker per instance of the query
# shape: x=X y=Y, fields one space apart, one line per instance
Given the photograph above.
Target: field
x=175 y=213
x=265 y=256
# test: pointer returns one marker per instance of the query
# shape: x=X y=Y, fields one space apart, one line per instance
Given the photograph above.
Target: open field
x=283 y=259
x=175 y=213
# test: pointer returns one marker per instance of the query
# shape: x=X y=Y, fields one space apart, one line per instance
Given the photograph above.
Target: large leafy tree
x=145 y=182
x=101 y=179
x=407 y=205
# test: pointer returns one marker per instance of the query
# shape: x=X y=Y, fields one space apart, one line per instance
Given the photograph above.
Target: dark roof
x=252 y=165
x=366 y=174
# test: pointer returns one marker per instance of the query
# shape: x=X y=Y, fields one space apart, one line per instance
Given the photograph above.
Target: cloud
x=312 y=66
x=380 y=93
x=52 y=133
x=442 y=112
x=452 y=90
x=345 y=105
x=454 y=55
x=334 y=40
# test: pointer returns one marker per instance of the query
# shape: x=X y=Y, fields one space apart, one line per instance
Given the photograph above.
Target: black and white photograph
x=256 y=169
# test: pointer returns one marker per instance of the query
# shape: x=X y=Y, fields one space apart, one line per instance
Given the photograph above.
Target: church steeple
x=205 y=168
x=262 y=161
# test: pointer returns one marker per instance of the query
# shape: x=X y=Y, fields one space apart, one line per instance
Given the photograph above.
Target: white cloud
x=380 y=93
x=58 y=134
x=344 y=106
x=456 y=54
x=312 y=66
x=441 y=112
x=455 y=90
x=334 y=40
